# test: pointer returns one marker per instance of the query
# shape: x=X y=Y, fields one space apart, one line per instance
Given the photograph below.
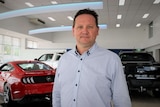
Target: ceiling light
x=119 y=16
x=138 y=25
x=121 y=2
x=57 y=29
x=156 y=2
x=70 y=18
x=118 y=25
x=54 y=2
x=51 y=8
x=51 y=18
x=145 y=15
x=29 y=4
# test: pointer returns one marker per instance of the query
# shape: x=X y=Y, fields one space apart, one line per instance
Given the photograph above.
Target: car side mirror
x=36 y=59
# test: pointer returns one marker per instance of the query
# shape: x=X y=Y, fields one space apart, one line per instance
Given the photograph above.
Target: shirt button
x=74 y=99
x=76 y=85
x=78 y=70
x=81 y=59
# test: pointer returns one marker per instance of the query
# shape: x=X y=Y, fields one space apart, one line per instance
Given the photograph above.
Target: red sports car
x=24 y=80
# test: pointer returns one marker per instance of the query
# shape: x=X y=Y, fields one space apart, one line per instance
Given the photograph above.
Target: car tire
x=156 y=93
x=7 y=95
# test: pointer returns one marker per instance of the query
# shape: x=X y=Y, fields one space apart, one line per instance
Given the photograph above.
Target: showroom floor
x=144 y=100
x=138 y=100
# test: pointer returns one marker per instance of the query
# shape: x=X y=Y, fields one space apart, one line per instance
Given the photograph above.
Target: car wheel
x=156 y=93
x=7 y=95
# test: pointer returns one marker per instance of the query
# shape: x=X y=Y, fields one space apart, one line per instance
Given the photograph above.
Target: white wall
x=43 y=47
x=153 y=44
x=108 y=38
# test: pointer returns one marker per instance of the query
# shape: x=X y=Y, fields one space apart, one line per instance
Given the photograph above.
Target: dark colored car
x=25 y=81
x=142 y=71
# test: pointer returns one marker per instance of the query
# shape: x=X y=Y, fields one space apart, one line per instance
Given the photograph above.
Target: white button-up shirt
x=93 y=79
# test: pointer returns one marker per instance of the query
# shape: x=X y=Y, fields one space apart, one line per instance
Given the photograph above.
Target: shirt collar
x=90 y=51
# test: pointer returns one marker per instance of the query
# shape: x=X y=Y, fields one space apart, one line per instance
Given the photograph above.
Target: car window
x=6 y=67
x=34 y=66
x=58 y=57
x=136 y=57
x=45 y=57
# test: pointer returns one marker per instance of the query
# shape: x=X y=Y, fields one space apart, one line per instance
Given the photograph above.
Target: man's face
x=85 y=30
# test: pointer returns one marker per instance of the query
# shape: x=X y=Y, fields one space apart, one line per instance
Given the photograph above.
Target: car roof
x=23 y=61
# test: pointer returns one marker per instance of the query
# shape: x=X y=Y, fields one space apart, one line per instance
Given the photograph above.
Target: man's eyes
x=88 y=27
x=80 y=27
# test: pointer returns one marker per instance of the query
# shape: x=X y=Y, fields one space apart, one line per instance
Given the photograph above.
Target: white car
x=50 y=59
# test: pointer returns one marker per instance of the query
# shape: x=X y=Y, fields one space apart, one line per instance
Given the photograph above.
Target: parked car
x=50 y=58
x=21 y=81
x=142 y=71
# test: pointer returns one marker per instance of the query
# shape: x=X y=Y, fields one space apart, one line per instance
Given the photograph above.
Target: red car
x=26 y=80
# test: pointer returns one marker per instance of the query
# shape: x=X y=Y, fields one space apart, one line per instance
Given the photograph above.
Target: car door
x=4 y=74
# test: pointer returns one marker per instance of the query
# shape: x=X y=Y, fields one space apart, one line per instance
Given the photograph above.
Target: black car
x=142 y=71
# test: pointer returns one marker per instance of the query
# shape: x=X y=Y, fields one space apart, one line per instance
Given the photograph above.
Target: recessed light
x=138 y=25
x=118 y=25
x=145 y=15
x=51 y=18
x=121 y=2
x=69 y=17
x=119 y=16
x=29 y=4
x=156 y=2
x=54 y=2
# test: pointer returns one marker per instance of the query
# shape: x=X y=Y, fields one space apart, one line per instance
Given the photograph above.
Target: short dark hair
x=86 y=11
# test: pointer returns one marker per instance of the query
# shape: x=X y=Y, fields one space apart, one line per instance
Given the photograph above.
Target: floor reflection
x=144 y=99
x=31 y=104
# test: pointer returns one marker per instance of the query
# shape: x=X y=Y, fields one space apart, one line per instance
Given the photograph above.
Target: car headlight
x=151 y=68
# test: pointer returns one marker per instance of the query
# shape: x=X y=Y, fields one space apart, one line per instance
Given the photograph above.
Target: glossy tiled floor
x=144 y=100
x=138 y=100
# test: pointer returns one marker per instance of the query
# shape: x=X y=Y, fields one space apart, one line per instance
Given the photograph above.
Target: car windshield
x=34 y=66
x=46 y=57
x=136 y=57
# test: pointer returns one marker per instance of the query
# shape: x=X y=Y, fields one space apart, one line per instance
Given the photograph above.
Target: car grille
x=38 y=79
x=144 y=83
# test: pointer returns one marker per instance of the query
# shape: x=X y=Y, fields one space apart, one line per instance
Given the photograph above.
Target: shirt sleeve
x=56 y=99
x=120 y=92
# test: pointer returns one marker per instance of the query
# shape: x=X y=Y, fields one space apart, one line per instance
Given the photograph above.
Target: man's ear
x=97 y=31
x=72 y=31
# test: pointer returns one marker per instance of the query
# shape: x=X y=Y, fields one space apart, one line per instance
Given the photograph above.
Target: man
x=89 y=76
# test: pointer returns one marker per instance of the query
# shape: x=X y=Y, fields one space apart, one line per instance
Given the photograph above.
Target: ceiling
x=131 y=12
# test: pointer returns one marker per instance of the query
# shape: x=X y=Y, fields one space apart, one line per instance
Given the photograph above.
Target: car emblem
x=140 y=71
x=48 y=78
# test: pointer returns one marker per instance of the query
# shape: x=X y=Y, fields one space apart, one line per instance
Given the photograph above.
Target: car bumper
x=32 y=89
x=145 y=83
